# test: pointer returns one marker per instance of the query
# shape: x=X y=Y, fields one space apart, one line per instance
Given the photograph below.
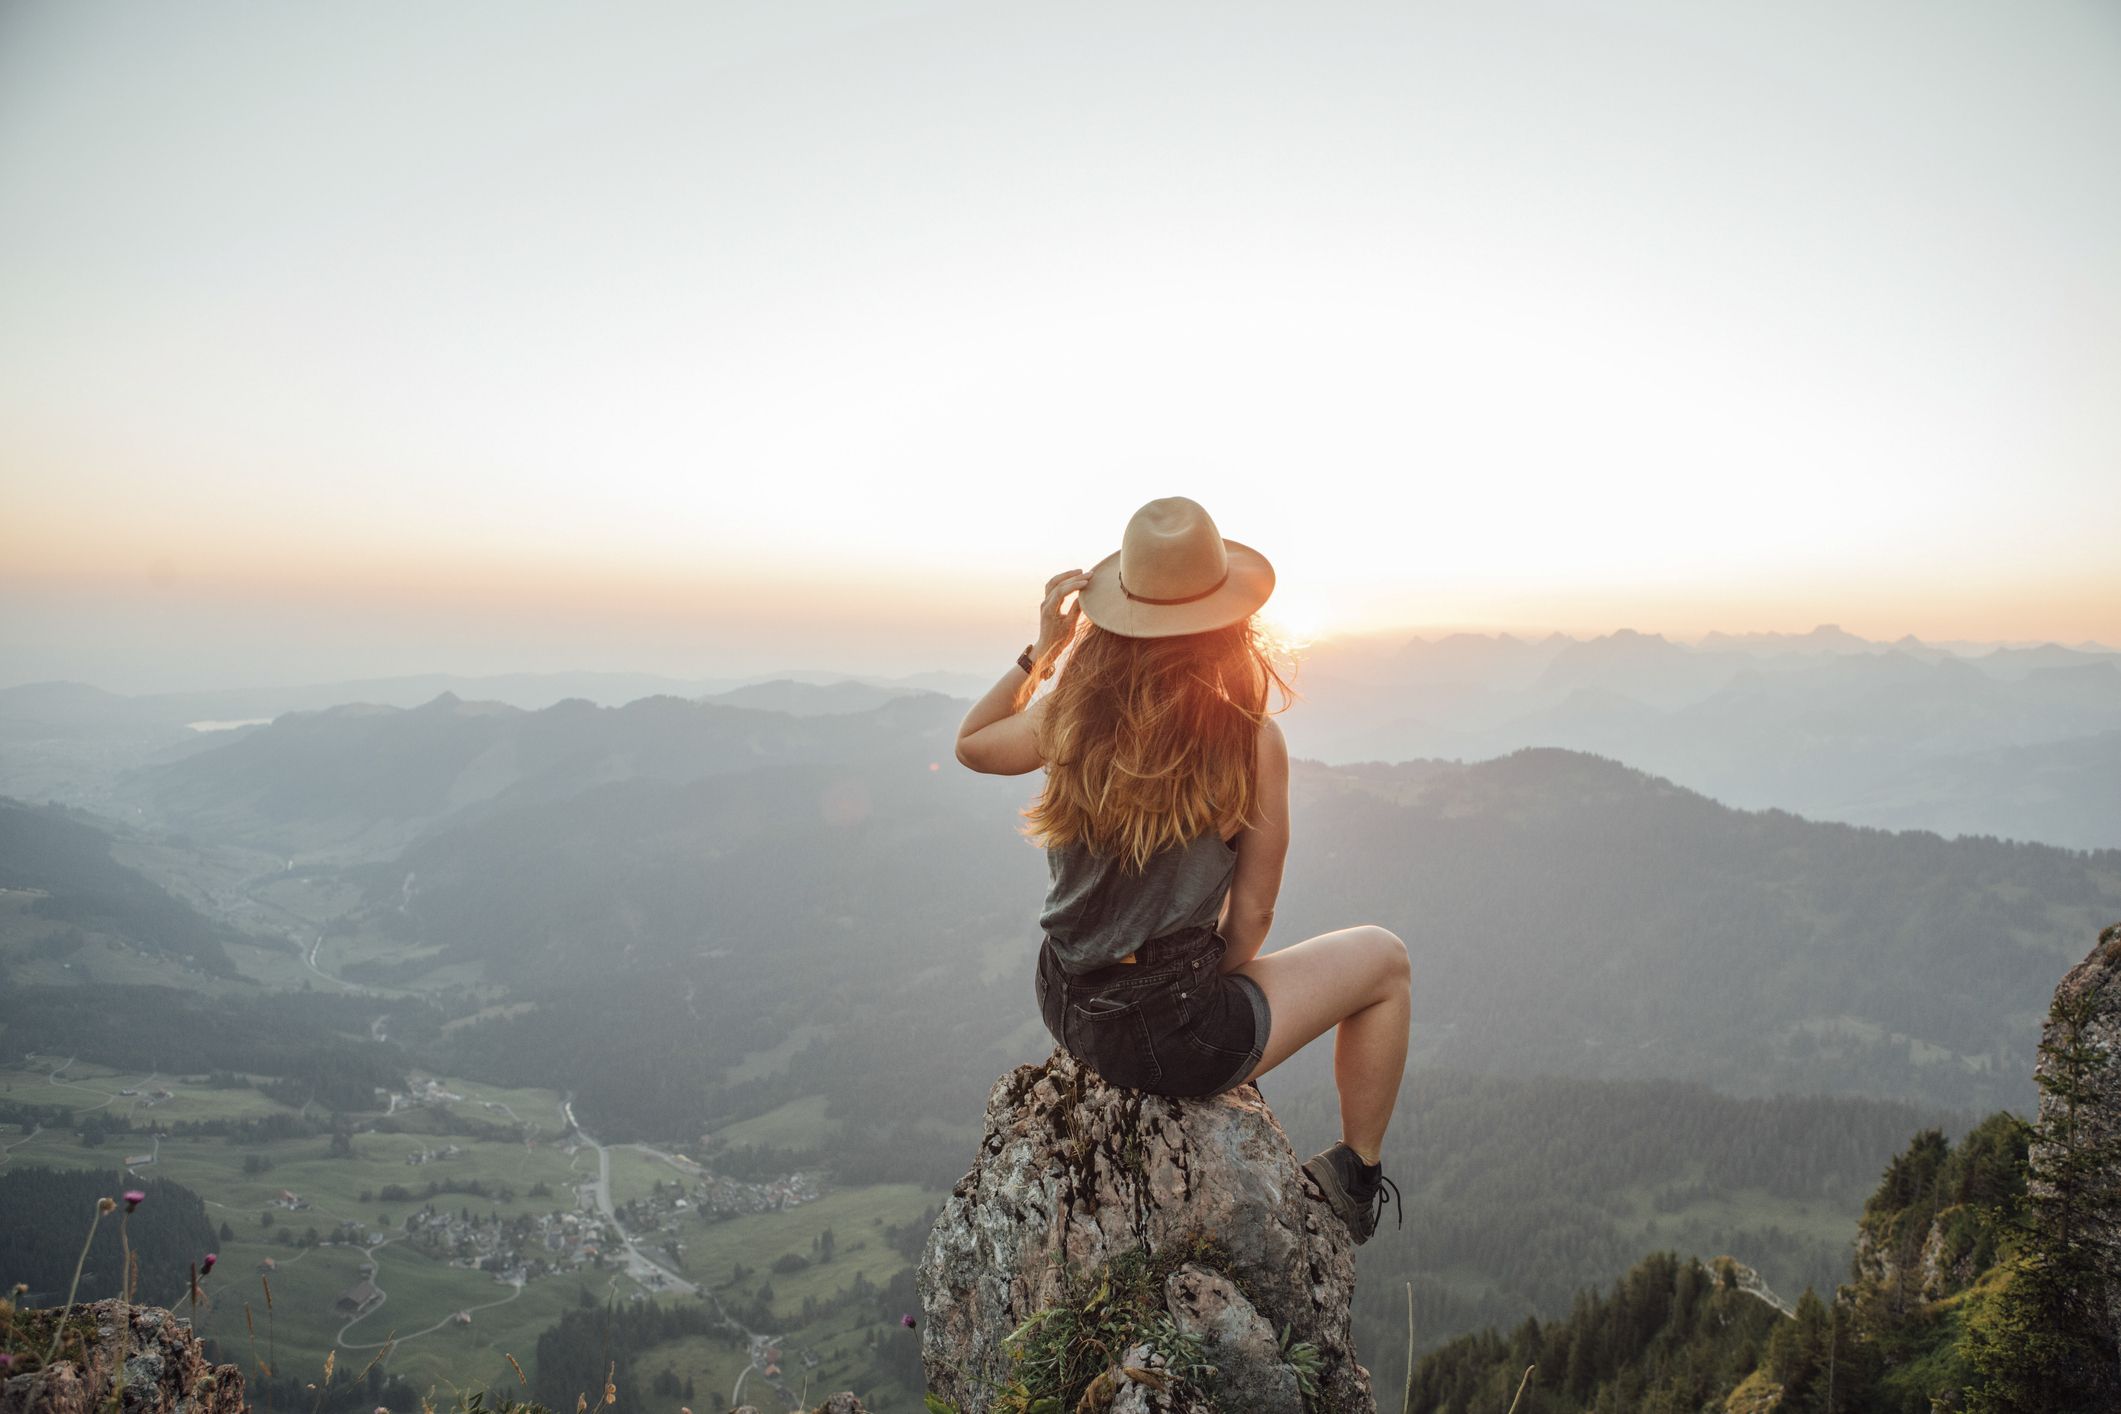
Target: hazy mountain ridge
x=1756 y=949
x=76 y=706
x=69 y=742
x=1823 y=724
x=360 y=781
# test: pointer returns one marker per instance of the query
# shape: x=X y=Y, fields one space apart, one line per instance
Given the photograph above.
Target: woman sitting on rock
x=1165 y=818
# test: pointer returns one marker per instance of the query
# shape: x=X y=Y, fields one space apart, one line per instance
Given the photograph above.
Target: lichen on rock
x=134 y=1359
x=1203 y=1208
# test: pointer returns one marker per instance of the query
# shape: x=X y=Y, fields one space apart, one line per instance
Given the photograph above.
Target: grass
x=421 y=1291
x=845 y=1363
x=635 y=1174
x=712 y=1366
x=757 y=1065
x=799 y=1124
x=485 y=1103
x=856 y=1216
x=91 y=1086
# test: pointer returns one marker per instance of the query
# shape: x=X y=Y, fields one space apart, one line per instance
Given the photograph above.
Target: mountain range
x=1566 y=912
x=2018 y=742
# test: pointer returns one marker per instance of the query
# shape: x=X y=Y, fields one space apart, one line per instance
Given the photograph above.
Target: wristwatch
x=1024 y=661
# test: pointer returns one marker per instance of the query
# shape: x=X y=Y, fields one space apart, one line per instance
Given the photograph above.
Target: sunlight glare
x=1296 y=619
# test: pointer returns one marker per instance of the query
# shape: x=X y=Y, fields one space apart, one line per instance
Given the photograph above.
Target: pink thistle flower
x=208 y=1264
x=907 y=1321
x=134 y=1198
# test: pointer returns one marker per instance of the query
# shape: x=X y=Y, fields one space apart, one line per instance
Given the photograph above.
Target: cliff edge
x=1138 y=1252
x=2076 y=1149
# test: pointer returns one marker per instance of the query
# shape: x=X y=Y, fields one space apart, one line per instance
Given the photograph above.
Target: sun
x=1298 y=619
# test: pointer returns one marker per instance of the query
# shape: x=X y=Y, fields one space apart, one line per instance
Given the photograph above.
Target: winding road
x=639 y=1264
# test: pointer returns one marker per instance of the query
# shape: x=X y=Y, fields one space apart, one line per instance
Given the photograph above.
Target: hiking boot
x=1353 y=1189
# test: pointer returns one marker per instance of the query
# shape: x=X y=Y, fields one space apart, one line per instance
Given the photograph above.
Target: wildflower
x=6 y=1360
x=207 y=1265
x=381 y=1410
x=907 y=1320
x=134 y=1198
x=106 y=1205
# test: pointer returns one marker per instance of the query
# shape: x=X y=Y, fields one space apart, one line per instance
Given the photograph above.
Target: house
x=361 y=1297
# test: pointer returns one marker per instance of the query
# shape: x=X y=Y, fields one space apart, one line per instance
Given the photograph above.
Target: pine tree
x=2043 y=1346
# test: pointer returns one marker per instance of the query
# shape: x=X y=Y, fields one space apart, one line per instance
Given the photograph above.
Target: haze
x=392 y=338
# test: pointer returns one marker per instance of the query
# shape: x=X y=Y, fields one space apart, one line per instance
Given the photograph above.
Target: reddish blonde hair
x=1151 y=741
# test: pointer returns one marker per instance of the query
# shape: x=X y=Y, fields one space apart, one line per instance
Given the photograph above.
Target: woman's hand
x=1056 y=627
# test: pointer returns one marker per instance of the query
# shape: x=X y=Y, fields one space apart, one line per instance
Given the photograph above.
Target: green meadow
x=294 y=1328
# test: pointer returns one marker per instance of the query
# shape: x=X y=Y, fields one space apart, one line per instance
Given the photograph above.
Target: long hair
x=1151 y=741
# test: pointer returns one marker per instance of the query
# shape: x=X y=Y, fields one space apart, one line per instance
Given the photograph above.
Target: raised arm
x=1261 y=849
x=996 y=737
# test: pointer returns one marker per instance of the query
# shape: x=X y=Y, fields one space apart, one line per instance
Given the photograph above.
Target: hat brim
x=1105 y=604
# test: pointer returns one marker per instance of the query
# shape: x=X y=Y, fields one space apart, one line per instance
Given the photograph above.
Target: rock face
x=162 y=1368
x=838 y=1404
x=1074 y=1175
x=2086 y=1016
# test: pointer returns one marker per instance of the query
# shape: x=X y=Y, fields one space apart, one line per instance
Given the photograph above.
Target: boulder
x=1182 y=1232
x=154 y=1357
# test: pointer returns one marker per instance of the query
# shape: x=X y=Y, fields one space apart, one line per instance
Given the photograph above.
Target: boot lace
x=1377 y=1211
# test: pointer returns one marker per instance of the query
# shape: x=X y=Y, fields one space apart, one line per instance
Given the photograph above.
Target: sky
x=716 y=338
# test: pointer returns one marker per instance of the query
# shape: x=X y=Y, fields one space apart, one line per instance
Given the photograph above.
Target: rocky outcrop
x=838 y=1404
x=2079 y=1129
x=137 y=1360
x=1173 y=1249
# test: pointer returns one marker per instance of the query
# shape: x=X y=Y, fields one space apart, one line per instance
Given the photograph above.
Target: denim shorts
x=1171 y=1023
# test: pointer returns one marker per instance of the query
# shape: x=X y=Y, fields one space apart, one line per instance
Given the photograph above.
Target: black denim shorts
x=1170 y=1023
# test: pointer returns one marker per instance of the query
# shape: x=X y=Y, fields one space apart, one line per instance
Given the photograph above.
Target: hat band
x=1182 y=599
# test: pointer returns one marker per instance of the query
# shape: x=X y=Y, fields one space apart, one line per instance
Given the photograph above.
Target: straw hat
x=1174 y=573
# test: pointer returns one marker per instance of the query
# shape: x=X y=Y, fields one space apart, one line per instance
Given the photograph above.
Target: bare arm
x=996 y=737
x=1261 y=850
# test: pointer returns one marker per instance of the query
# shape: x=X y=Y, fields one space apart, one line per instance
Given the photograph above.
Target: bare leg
x=1356 y=979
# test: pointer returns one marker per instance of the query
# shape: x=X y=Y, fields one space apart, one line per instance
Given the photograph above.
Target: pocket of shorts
x=1105 y=1007
x=1213 y=1005
x=1113 y=1037
x=1209 y=1048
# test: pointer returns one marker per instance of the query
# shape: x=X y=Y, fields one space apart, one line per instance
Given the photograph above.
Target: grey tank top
x=1095 y=914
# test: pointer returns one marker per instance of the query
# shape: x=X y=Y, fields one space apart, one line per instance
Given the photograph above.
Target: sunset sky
x=344 y=340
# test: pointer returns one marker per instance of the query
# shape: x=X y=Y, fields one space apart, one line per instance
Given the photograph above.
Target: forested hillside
x=49 y=1214
x=60 y=891
x=1984 y=1278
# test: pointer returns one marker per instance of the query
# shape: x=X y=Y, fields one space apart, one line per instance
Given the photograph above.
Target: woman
x=1165 y=818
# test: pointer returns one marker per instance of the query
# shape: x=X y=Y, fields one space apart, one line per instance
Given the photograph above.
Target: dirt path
x=340 y=1340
